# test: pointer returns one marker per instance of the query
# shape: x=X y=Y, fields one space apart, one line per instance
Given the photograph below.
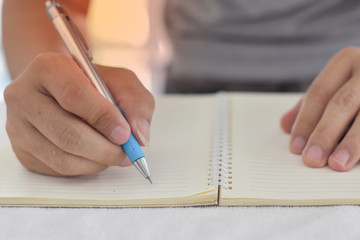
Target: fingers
x=134 y=100
x=75 y=95
x=71 y=134
x=347 y=153
x=338 y=115
x=340 y=112
x=72 y=91
x=77 y=130
x=38 y=154
x=320 y=92
x=329 y=107
x=73 y=138
x=67 y=131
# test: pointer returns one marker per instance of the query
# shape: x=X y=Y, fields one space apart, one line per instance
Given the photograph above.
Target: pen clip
x=76 y=33
x=79 y=37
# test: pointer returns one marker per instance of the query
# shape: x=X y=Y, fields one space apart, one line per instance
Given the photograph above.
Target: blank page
x=264 y=171
x=178 y=157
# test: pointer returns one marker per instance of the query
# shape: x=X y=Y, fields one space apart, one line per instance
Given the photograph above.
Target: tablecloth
x=337 y=222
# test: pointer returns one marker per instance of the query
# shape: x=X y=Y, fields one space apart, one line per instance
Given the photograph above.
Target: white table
x=341 y=222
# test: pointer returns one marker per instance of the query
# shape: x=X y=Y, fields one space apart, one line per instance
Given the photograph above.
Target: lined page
x=178 y=158
x=263 y=167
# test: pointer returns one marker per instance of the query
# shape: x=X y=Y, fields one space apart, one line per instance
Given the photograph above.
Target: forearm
x=28 y=31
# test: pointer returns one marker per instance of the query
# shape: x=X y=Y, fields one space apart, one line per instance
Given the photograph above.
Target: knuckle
x=43 y=58
x=64 y=165
x=128 y=74
x=148 y=106
x=68 y=166
x=59 y=162
x=150 y=101
x=145 y=103
x=345 y=99
x=302 y=127
x=101 y=119
x=13 y=131
x=316 y=94
x=145 y=99
x=51 y=66
x=24 y=159
x=16 y=97
x=42 y=62
x=70 y=94
x=348 y=52
x=32 y=163
x=48 y=60
x=12 y=95
x=324 y=135
x=69 y=138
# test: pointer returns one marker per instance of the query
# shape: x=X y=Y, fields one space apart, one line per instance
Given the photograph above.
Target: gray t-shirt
x=258 y=40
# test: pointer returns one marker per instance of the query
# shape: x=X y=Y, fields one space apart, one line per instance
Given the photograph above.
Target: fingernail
x=341 y=156
x=298 y=145
x=143 y=131
x=315 y=154
x=118 y=135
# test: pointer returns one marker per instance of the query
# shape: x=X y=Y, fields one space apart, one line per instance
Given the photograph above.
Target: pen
x=80 y=52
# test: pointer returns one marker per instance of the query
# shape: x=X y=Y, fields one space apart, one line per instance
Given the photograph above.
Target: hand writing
x=60 y=125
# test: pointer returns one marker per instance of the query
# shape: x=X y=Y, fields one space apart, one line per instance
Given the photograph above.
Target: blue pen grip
x=132 y=147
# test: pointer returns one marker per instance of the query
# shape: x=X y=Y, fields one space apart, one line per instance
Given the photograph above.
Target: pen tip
x=149 y=179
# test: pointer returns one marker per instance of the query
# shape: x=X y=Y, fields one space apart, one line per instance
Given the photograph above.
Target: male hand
x=325 y=124
x=60 y=125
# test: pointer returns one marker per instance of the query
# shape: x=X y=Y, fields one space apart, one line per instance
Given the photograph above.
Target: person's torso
x=258 y=40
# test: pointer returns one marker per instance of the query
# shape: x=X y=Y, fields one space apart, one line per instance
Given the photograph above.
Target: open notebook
x=222 y=149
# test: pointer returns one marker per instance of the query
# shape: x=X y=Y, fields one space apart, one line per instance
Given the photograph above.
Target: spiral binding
x=221 y=149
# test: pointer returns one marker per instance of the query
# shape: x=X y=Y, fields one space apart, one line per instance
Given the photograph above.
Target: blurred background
x=4 y=76
x=138 y=42
x=127 y=34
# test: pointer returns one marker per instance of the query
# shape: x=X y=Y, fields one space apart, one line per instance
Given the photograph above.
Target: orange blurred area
x=120 y=35
x=119 y=22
